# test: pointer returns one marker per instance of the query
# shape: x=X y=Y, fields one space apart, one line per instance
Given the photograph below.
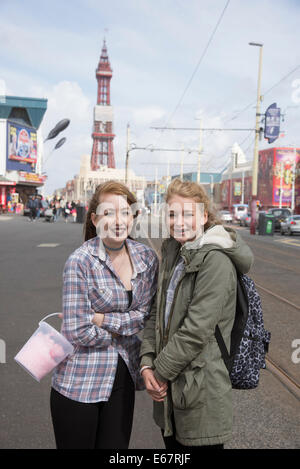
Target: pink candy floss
x=45 y=349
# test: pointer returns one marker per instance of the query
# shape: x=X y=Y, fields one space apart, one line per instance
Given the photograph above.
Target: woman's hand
x=156 y=389
x=98 y=319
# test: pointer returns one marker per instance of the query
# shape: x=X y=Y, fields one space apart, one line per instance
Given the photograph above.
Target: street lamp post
x=255 y=157
x=127 y=153
x=293 y=181
x=199 y=154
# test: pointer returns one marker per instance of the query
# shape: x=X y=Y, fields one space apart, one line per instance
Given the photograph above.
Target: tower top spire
x=104 y=65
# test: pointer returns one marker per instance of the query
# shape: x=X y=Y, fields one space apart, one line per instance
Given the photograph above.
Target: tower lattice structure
x=103 y=151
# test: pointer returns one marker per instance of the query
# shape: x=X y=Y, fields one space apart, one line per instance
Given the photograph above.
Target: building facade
x=21 y=148
x=278 y=182
x=279 y=178
x=83 y=186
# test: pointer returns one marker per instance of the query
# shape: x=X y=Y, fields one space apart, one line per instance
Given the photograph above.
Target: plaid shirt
x=90 y=285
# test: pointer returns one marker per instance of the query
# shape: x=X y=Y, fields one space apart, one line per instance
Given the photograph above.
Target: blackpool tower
x=103 y=152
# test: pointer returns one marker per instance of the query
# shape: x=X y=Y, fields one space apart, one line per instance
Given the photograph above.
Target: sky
x=173 y=61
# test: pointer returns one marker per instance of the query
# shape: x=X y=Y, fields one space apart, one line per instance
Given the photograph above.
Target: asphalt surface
x=30 y=288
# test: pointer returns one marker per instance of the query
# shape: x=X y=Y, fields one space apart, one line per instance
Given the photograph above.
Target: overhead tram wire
x=264 y=94
x=253 y=103
x=199 y=62
x=249 y=105
x=197 y=66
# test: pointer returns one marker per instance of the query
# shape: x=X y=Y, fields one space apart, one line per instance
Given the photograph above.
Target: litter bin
x=80 y=210
x=266 y=224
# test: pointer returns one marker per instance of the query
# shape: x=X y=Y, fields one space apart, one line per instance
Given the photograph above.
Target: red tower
x=103 y=152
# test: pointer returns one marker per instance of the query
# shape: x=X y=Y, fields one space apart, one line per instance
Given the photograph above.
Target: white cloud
x=66 y=100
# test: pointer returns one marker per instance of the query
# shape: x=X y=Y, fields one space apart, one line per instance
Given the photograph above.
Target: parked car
x=280 y=215
x=239 y=211
x=291 y=225
x=226 y=216
x=245 y=220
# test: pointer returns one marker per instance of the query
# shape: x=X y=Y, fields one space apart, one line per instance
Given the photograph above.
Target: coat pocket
x=188 y=390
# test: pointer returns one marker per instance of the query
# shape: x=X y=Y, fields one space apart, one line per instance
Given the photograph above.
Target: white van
x=239 y=210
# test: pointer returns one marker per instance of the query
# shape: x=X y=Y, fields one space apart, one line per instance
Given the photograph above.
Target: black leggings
x=172 y=443
x=105 y=425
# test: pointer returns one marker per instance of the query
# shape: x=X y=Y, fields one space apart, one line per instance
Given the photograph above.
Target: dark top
x=129 y=297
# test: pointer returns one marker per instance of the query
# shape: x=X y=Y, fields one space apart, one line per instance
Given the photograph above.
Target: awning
x=6 y=182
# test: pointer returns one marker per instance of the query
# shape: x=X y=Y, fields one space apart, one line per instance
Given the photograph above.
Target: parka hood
x=222 y=238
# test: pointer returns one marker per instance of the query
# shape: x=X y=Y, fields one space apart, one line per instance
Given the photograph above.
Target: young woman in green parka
x=181 y=362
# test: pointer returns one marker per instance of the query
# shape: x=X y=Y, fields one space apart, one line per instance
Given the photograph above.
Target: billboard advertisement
x=283 y=175
x=21 y=148
x=31 y=178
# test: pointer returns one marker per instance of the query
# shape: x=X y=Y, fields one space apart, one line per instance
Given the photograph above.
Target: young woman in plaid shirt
x=108 y=286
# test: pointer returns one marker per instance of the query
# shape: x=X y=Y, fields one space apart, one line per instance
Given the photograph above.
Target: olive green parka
x=185 y=353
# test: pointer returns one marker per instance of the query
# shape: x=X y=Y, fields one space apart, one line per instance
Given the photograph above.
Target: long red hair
x=108 y=187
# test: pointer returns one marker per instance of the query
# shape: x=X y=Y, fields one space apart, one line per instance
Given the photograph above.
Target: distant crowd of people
x=59 y=206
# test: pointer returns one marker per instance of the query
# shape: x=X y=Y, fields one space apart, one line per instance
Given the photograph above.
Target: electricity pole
x=199 y=154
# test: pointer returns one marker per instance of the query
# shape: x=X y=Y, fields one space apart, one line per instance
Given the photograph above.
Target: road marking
x=3 y=218
x=291 y=242
x=48 y=245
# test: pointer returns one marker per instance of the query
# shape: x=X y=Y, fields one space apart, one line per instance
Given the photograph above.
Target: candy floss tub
x=45 y=349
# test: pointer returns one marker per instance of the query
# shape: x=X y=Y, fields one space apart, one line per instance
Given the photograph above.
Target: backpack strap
x=222 y=346
x=241 y=315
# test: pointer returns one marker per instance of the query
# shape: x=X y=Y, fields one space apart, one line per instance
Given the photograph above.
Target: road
x=32 y=259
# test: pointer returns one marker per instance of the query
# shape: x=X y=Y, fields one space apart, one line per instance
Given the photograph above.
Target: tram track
x=283 y=377
x=279 y=265
x=278 y=297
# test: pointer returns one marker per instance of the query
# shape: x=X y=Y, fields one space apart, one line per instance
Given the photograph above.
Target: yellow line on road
x=292 y=242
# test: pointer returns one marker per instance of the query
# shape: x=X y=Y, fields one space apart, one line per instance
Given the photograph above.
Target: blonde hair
x=193 y=190
x=108 y=187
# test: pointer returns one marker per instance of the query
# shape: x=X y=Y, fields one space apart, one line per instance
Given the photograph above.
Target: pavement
x=32 y=259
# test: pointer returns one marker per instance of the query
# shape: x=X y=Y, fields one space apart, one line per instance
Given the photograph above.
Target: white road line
x=48 y=245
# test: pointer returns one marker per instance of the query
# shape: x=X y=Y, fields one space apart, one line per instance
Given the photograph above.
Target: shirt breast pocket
x=101 y=299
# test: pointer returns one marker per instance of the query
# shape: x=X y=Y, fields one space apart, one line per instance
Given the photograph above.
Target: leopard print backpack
x=249 y=339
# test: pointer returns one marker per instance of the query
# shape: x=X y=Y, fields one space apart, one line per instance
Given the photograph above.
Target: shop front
x=28 y=184
x=7 y=194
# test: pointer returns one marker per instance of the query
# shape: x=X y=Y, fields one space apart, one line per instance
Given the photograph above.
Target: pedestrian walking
x=30 y=207
x=73 y=211
x=181 y=362
x=58 y=208
x=33 y=206
x=66 y=211
x=108 y=287
x=39 y=207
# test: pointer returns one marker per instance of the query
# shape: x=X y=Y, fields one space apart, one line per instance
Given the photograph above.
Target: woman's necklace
x=114 y=249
